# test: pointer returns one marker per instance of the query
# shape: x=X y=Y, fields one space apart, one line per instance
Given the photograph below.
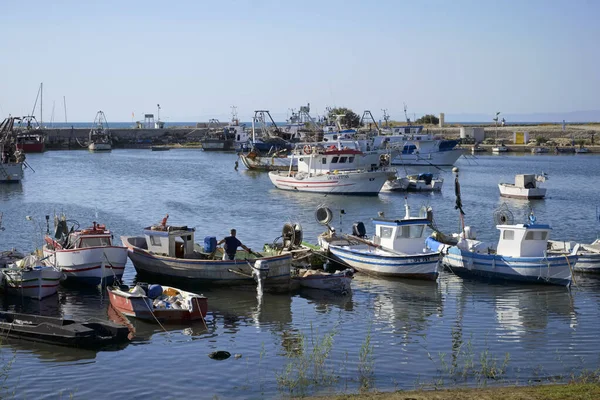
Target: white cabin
x=523 y=240
x=171 y=241
x=405 y=235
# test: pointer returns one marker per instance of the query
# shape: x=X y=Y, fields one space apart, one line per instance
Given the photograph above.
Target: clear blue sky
x=197 y=58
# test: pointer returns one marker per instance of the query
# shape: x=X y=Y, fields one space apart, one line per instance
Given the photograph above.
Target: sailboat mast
x=41 y=104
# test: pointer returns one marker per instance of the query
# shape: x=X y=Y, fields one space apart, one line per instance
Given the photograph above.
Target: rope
x=161 y=325
x=571 y=269
x=201 y=316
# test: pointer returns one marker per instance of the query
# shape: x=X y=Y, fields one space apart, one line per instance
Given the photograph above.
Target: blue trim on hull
x=496 y=276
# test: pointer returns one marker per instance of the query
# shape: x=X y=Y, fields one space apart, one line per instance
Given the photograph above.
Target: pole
x=65 y=107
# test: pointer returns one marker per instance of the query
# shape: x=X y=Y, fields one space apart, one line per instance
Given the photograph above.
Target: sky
x=198 y=58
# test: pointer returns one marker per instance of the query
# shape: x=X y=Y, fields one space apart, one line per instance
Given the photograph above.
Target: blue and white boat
x=520 y=255
x=397 y=249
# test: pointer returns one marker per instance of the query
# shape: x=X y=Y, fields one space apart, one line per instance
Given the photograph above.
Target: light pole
x=158 y=112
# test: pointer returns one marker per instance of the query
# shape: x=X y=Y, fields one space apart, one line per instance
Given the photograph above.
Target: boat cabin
x=405 y=235
x=523 y=240
x=172 y=241
x=526 y=181
x=329 y=159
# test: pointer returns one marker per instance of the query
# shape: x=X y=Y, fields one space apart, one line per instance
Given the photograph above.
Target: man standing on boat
x=231 y=245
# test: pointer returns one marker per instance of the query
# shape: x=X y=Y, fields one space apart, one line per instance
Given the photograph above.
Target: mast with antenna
x=65 y=106
x=406 y=115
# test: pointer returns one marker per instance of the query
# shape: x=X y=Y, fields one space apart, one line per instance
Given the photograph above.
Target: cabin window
x=536 y=235
x=343 y=159
x=350 y=160
x=335 y=159
x=155 y=240
x=410 y=231
x=95 y=242
x=324 y=160
x=385 y=232
x=508 y=235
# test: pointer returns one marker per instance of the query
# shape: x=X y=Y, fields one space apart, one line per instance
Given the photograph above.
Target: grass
x=572 y=391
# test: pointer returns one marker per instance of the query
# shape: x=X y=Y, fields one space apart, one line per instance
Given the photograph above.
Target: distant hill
x=572 y=116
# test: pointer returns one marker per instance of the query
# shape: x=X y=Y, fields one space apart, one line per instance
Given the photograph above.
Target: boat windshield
x=101 y=241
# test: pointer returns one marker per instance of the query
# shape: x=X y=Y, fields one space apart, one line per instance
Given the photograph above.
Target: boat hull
x=344 y=182
x=36 y=283
x=259 y=163
x=217 y=145
x=11 y=172
x=339 y=282
x=99 y=147
x=438 y=158
x=217 y=272
x=549 y=270
x=512 y=191
x=36 y=147
x=376 y=262
x=92 y=265
x=141 y=307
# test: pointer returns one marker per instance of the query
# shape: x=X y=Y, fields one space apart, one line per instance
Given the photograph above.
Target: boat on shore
x=499 y=149
x=540 y=150
x=169 y=252
x=158 y=303
x=100 y=139
x=84 y=255
x=526 y=186
x=395 y=250
x=66 y=332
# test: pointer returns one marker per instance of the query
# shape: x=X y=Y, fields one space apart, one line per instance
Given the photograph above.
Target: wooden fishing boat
x=169 y=252
x=588 y=255
x=525 y=187
x=28 y=278
x=158 y=303
x=84 y=255
x=65 y=332
x=338 y=282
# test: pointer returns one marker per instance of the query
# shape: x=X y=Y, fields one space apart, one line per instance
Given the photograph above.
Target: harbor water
x=386 y=334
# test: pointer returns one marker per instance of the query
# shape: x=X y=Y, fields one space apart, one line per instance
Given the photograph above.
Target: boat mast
x=41 y=104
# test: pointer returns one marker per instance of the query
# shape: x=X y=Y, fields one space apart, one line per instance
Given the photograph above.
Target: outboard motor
x=358 y=230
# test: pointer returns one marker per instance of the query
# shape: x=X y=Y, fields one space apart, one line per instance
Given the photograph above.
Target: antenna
x=65 y=107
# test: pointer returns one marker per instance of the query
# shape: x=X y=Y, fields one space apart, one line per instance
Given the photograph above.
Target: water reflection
x=10 y=191
x=325 y=301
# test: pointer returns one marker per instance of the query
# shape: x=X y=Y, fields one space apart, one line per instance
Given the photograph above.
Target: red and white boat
x=28 y=135
x=336 y=169
x=85 y=256
x=167 y=305
x=28 y=278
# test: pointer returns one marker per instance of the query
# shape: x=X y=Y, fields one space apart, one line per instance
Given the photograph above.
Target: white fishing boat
x=85 y=256
x=425 y=182
x=526 y=186
x=273 y=161
x=588 y=255
x=520 y=255
x=499 y=149
x=540 y=150
x=29 y=278
x=338 y=282
x=397 y=248
x=335 y=169
x=582 y=150
x=169 y=252
x=100 y=139
x=12 y=160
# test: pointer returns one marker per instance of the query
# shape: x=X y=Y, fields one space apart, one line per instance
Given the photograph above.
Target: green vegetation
x=539 y=140
x=349 y=120
x=428 y=119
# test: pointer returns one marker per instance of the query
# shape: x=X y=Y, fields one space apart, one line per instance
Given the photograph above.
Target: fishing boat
x=12 y=160
x=477 y=149
x=588 y=255
x=11 y=256
x=540 y=150
x=85 y=256
x=100 y=139
x=160 y=148
x=335 y=169
x=28 y=135
x=29 y=278
x=158 y=303
x=66 y=332
x=526 y=186
x=277 y=160
x=396 y=249
x=425 y=182
x=169 y=252
x=338 y=282
x=582 y=150
x=216 y=138
x=499 y=149
x=520 y=254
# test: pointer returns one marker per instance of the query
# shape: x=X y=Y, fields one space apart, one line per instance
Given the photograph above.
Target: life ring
x=306 y=149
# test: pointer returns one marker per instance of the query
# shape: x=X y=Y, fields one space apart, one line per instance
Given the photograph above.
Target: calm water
x=410 y=333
